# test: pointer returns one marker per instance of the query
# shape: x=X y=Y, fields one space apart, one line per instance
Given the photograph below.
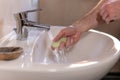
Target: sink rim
x=70 y=66
x=84 y=64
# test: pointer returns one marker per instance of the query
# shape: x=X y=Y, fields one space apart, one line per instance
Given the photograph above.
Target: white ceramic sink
x=90 y=59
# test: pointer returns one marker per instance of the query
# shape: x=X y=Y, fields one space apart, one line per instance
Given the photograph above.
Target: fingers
x=108 y=12
x=108 y=20
x=60 y=35
x=52 y=48
x=62 y=45
x=76 y=38
x=70 y=41
x=67 y=44
x=65 y=33
x=105 y=16
x=102 y=11
x=71 y=34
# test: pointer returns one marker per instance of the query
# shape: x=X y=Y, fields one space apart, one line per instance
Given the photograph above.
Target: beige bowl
x=9 y=53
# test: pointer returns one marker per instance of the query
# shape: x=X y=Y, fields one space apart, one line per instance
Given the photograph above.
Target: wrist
x=78 y=27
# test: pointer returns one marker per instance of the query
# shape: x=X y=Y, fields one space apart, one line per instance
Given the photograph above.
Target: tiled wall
x=65 y=12
x=8 y=8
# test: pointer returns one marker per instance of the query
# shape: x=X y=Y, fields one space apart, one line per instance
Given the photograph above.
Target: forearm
x=90 y=20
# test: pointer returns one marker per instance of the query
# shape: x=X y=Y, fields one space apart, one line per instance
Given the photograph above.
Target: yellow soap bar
x=57 y=44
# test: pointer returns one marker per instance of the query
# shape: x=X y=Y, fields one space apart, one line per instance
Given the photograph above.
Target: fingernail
x=67 y=45
x=52 y=48
x=111 y=20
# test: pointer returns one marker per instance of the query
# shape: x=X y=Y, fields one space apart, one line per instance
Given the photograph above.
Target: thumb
x=59 y=36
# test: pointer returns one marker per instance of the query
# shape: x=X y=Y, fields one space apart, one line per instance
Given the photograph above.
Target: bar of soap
x=57 y=44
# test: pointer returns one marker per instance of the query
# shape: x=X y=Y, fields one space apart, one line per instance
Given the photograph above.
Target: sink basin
x=90 y=59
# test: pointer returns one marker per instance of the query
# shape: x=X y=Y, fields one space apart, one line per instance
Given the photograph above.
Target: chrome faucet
x=22 y=23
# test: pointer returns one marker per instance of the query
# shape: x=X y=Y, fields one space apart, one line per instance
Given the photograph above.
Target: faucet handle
x=25 y=13
x=34 y=10
x=23 y=16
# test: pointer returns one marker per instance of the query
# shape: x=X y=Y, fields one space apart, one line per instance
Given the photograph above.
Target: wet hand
x=72 y=36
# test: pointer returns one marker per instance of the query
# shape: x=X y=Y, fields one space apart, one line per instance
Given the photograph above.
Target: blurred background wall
x=55 y=12
x=65 y=12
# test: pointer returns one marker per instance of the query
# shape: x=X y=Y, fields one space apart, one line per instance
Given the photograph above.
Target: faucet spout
x=22 y=22
x=36 y=25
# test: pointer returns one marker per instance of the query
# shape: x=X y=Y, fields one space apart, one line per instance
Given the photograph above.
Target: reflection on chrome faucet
x=22 y=23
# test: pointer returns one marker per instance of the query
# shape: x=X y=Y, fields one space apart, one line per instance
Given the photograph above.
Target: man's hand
x=110 y=11
x=71 y=34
